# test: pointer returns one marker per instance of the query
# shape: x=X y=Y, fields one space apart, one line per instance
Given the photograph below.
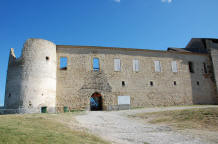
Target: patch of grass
x=203 y=118
x=41 y=129
x=77 y=111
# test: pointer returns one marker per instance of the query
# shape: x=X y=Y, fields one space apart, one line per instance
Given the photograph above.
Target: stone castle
x=56 y=78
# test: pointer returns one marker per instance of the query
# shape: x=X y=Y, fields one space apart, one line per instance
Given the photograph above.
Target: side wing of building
x=147 y=78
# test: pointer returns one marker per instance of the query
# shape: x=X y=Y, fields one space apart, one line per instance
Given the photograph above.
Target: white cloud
x=167 y=1
x=118 y=1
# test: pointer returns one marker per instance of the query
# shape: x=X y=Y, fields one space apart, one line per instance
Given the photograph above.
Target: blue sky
x=144 y=24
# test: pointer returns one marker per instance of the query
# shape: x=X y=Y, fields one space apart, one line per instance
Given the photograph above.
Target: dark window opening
x=96 y=66
x=9 y=95
x=174 y=82
x=43 y=109
x=205 y=68
x=191 y=67
x=47 y=58
x=66 y=109
x=123 y=83
x=63 y=63
x=30 y=104
x=198 y=83
x=151 y=83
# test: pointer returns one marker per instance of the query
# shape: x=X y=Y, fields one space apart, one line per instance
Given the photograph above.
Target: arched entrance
x=96 y=102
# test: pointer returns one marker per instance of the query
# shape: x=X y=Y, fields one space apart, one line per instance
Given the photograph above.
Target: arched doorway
x=96 y=102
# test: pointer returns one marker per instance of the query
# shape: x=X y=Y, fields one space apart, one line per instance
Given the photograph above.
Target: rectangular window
x=96 y=66
x=151 y=83
x=174 y=66
x=43 y=109
x=205 y=68
x=157 y=66
x=191 y=67
x=123 y=83
x=66 y=109
x=117 y=66
x=136 y=65
x=63 y=63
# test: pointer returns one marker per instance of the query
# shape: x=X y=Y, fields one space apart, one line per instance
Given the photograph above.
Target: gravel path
x=116 y=127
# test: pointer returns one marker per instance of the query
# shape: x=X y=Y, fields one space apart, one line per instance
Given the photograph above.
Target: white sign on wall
x=123 y=100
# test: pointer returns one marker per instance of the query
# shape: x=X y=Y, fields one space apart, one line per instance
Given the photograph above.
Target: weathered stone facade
x=36 y=80
x=31 y=79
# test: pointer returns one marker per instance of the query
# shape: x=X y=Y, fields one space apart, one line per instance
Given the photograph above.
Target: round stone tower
x=35 y=88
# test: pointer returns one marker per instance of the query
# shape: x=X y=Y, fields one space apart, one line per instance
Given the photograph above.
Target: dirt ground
x=118 y=128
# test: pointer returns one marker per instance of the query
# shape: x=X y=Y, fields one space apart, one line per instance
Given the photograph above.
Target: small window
x=47 y=58
x=174 y=83
x=66 y=109
x=63 y=63
x=123 y=83
x=96 y=66
x=30 y=104
x=174 y=66
x=43 y=109
x=9 y=95
x=135 y=65
x=191 y=67
x=198 y=83
x=117 y=66
x=205 y=68
x=157 y=66
x=151 y=83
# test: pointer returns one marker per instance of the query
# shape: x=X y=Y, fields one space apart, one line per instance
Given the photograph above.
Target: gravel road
x=116 y=127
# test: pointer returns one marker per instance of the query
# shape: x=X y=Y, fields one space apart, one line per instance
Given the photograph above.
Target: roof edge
x=127 y=49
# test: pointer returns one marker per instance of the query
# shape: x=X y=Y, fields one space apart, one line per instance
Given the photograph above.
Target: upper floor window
x=205 y=68
x=157 y=66
x=136 y=65
x=174 y=66
x=96 y=65
x=117 y=66
x=63 y=63
x=191 y=67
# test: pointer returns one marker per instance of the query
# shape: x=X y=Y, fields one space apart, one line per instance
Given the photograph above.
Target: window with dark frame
x=191 y=67
x=174 y=83
x=198 y=83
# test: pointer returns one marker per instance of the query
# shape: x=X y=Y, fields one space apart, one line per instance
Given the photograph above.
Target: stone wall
x=78 y=82
x=35 y=80
x=214 y=57
x=31 y=79
x=13 y=82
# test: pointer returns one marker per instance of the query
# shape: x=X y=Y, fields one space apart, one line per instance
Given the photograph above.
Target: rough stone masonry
x=107 y=78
